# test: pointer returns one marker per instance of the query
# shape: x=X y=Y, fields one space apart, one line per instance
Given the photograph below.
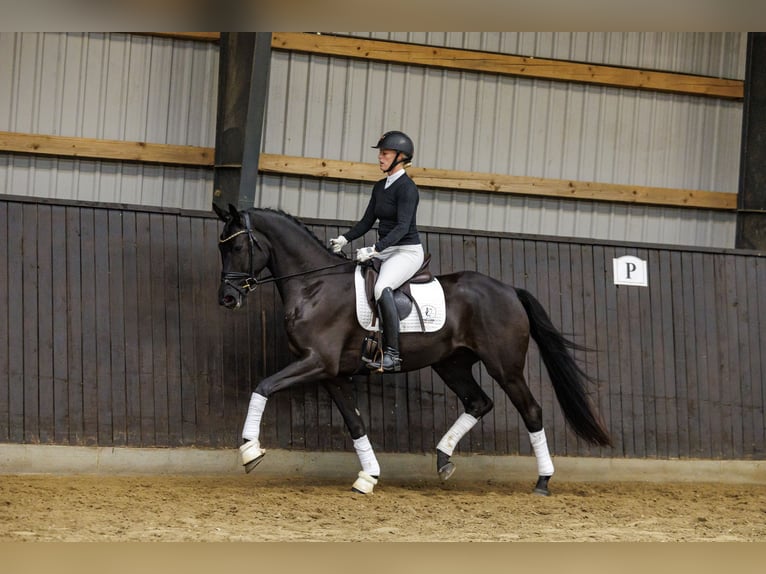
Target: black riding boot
x=389 y=318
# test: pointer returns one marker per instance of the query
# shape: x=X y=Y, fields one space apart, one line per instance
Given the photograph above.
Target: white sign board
x=629 y=270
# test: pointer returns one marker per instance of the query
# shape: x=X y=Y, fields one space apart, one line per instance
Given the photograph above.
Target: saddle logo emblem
x=429 y=313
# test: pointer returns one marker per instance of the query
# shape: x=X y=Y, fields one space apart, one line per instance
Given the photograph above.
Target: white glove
x=338 y=243
x=364 y=254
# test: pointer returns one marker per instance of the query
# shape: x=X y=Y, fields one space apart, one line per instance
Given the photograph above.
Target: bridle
x=242 y=282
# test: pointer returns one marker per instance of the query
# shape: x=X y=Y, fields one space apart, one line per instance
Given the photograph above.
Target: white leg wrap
x=540 y=446
x=252 y=428
x=366 y=456
x=250 y=451
x=364 y=483
x=463 y=424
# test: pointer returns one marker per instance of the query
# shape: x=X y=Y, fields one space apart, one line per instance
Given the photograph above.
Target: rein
x=246 y=282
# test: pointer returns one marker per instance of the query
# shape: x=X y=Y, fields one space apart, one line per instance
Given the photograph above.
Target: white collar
x=393 y=177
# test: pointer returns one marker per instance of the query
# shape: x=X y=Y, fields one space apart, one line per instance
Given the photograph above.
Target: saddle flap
x=428 y=309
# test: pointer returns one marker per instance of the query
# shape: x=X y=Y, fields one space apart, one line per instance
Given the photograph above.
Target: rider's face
x=385 y=158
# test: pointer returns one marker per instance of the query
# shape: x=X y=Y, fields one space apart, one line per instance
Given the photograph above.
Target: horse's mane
x=293 y=219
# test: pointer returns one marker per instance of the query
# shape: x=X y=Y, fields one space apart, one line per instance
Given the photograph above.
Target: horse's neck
x=293 y=249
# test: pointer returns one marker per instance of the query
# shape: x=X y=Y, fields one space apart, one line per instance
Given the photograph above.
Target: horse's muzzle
x=229 y=297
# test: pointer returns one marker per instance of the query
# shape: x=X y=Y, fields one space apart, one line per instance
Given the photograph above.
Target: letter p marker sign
x=630 y=270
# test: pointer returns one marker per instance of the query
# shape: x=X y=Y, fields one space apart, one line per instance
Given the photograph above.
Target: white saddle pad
x=429 y=296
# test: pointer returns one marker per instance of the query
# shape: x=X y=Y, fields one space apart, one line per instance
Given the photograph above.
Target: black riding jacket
x=396 y=210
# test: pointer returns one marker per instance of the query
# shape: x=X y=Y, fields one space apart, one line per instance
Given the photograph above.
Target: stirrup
x=393 y=365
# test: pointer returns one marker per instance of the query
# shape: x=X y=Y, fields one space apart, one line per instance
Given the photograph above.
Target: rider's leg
x=389 y=319
x=399 y=264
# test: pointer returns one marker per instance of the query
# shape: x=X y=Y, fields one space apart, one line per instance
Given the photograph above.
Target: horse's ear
x=235 y=216
x=222 y=215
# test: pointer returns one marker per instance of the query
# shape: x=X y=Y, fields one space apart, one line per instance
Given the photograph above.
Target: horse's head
x=242 y=257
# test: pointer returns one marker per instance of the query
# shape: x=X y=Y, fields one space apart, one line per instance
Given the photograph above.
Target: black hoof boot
x=541 y=488
x=444 y=466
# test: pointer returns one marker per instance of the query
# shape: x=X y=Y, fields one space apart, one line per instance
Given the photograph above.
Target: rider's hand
x=364 y=254
x=338 y=243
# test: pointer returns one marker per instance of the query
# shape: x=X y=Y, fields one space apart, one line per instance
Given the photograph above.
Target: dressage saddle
x=402 y=295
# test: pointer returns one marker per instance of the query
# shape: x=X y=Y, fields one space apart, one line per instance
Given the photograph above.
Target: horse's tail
x=566 y=375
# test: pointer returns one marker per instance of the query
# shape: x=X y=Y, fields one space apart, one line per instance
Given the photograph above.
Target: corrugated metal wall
x=108 y=86
x=336 y=108
x=138 y=88
x=111 y=334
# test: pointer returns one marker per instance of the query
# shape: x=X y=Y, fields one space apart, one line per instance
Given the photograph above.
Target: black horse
x=486 y=321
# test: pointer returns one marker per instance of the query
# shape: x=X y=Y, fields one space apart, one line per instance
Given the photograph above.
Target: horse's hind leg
x=342 y=395
x=531 y=413
x=457 y=375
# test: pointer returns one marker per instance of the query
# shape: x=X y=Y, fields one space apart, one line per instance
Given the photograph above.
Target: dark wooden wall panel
x=111 y=334
x=5 y=325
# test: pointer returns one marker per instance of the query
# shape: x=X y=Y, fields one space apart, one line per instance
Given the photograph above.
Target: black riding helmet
x=400 y=143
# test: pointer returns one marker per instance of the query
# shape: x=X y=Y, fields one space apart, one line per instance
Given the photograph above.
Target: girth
x=402 y=295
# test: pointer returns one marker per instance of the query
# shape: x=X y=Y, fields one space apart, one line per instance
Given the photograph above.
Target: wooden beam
x=503 y=64
x=497 y=183
x=88 y=148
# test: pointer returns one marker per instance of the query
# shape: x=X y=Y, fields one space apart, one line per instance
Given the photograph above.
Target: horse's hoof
x=252 y=454
x=541 y=488
x=446 y=471
x=253 y=463
x=364 y=483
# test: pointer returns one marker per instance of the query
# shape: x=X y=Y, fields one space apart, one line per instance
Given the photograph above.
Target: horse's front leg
x=309 y=368
x=341 y=392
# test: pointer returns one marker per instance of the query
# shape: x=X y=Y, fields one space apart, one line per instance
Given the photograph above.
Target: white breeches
x=400 y=262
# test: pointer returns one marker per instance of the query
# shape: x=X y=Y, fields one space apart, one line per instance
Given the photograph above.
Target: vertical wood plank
x=45 y=325
x=131 y=329
x=669 y=352
x=116 y=315
x=680 y=391
x=190 y=252
x=5 y=325
x=16 y=419
x=698 y=384
x=688 y=380
x=159 y=316
x=173 y=318
x=727 y=333
x=74 y=331
x=90 y=391
x=30 y=324
x=60 y=313
x=759 y=374
x=103 y=305
x=144 y=270
x=657 y=359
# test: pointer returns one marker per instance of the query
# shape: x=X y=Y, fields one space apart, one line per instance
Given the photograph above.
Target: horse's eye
x=237 y=248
